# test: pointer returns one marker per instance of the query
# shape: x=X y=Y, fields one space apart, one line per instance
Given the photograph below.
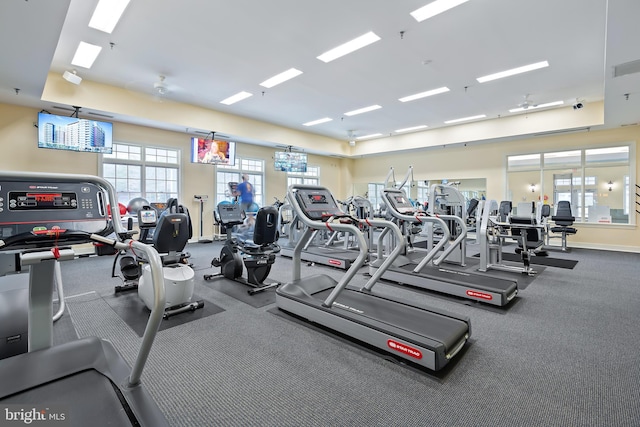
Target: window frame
x=136 y=155
x=586 y=183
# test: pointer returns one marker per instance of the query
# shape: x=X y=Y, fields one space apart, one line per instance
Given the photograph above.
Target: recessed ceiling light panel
x=465 y=119
x=236 y=98
x=348 y=47
x=411 y=129
x=107 y=14
x=280 y=78
x=317 y=122
x=513 y=71
x=362 y=110
x=435 y=8
x=424 y=94
x=371 y=135
x=85 y=55
x=534 y=107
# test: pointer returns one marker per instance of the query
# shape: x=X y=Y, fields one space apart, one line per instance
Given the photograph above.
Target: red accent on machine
x=476 y=294
x=404 y=349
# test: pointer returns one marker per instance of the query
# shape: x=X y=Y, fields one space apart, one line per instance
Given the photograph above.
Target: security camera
x=578 y=105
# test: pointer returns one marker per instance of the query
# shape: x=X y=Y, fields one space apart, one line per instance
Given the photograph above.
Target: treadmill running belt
x=92 y=395
x=464 y=278
x=403 y=316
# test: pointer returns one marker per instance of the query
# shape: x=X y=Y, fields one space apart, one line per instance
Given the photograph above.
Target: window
x=156 y=178
x=422 y=195
x=310 y=177
x=595 y=181
x=233 y=174
x=373 y=193
x=626 y=195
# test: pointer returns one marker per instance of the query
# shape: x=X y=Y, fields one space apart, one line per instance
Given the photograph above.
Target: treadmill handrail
x=350 y=228
x=318 y=225
x=458 y=240
x=424 y=217
x=149 y=252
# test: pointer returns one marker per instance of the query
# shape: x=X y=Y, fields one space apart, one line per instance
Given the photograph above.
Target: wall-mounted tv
x=74 y=134
x=212 y=151
x=287 y=161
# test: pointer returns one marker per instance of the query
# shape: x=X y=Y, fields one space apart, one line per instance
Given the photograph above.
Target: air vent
x=216 y=135
x=100 y=115
x=57 y=107
x=626 y=68
x=554 y=132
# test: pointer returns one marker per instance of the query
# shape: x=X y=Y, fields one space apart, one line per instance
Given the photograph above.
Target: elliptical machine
x=257 y=254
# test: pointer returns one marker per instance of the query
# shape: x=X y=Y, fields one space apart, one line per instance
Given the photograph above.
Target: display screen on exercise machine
x=147 y=217
x=25 y=200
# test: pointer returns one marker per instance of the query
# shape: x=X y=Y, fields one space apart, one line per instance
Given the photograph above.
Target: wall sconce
x=533 y=188
x=610 y=184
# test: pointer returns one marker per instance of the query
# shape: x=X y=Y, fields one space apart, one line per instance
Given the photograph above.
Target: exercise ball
x=136 y=204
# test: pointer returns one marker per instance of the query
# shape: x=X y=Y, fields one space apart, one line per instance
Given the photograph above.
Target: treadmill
x=85 y=381
x=331 y=255
x=476 y=287
x=427 y=337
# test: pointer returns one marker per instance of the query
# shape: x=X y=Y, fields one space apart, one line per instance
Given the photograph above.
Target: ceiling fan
x=158 y=90
x=160 y=87
x=527 y=103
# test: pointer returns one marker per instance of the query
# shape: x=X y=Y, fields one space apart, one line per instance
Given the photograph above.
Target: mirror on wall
x=419 y=190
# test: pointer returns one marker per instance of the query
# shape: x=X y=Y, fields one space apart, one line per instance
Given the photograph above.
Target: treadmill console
x=230 y=214
x=44 y=207
x=399 y=202
x=317 y=203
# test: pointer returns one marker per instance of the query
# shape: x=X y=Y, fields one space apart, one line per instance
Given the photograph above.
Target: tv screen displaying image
x=211 y=151
x=290 y=162
x=74 y=134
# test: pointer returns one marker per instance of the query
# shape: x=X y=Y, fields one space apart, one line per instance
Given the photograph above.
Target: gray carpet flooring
x=565 y=354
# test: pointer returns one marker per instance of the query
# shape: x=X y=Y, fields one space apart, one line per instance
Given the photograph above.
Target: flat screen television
x=74 y=134
x=212 y=151
x=287 y=161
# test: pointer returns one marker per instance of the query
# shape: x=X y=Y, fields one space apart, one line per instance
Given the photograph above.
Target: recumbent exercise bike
x=169 y=235
x=257 y=254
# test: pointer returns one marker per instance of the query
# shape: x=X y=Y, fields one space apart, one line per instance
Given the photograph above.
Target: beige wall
x=18 y=140
x=488 y=161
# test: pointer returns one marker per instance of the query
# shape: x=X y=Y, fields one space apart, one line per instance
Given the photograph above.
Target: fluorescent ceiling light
x=235 y=98
x=317 y=122
x=533 y=107
x=362 y=110
x=107 y=14
x=369 y=136
x=282 y=77
x=85 y=55
x=410 y=129
x=435 y=8
x=350 y=46
x=464 y=119
x=513 y=71
x=424 y=94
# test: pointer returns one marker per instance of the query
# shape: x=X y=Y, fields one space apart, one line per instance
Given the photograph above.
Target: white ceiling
x=209 y=50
